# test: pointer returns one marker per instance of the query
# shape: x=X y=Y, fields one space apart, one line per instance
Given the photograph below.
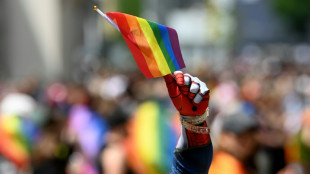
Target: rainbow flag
x=15 y=140
x=155 y=47
x=153 y=137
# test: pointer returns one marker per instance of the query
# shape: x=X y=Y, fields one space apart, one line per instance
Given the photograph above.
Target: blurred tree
x=296 y=12
x=132 y=7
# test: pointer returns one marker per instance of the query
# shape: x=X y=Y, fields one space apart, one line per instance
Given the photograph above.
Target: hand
x=189 y=95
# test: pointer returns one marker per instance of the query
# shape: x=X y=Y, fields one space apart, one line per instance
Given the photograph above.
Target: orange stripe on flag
x=143 y=45
x=132 y=44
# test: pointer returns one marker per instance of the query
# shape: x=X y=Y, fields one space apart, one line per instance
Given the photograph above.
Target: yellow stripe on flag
x=158 y=54
x=143 y=45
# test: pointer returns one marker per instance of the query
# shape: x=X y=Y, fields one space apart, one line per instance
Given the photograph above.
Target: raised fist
x=189 y=95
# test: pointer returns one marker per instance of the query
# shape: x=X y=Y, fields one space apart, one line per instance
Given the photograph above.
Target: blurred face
x=241 y=146
x=247 y=142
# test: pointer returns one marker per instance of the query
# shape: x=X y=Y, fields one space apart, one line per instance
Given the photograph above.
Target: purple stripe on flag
x=175 y=46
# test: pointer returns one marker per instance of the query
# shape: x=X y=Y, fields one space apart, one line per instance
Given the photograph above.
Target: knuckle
x=194 y=88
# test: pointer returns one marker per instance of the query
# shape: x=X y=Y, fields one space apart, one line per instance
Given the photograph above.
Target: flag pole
x=106 y=17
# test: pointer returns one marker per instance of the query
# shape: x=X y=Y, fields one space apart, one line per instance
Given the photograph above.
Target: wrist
x=193 y=124
x=195 y=120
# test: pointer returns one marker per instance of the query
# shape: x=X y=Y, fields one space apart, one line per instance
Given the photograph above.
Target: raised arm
x=190 y=96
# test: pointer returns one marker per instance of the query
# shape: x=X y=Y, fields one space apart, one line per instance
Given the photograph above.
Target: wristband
x=196 y=129
x=197 y=119
x=190 y=123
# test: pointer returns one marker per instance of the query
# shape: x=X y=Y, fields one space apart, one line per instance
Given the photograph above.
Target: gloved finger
x=187 y=81
x=194 y=88
x=172 y=86
x=179 y=77
x=203 y=91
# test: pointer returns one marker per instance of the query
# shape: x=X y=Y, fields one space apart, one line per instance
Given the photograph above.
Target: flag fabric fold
x=155 y=47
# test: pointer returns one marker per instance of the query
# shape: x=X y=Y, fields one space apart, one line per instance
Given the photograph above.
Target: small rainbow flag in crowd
x=15 y=139
x=153 y=138
x=155 y=47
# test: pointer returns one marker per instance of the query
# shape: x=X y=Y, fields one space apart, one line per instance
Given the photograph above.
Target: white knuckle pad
x=187 y=80
x=198 y=98
x=203 y=88
x=177 y=72
x=194 y=88
x=195 y=85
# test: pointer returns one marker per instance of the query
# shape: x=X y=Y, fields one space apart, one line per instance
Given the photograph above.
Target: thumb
x=172 y=86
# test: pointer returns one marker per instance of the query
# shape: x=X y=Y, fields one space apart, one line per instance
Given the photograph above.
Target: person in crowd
x=236 y=146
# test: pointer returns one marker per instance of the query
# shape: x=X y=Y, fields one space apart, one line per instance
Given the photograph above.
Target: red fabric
x=131 y=42
x=195 y=139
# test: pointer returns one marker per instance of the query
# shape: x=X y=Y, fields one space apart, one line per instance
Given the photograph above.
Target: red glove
x=189 y=95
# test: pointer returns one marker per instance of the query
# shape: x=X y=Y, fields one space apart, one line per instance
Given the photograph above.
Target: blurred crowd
x=115 y=123
x=121 y=122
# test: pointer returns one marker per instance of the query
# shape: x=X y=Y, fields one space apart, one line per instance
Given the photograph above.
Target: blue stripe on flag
x=166 y=39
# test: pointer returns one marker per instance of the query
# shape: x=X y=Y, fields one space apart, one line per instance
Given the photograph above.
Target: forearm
x=193 y=161
x=193 y=153
x=190 y=96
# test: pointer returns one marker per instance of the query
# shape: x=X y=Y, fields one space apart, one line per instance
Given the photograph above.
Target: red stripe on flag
x=131 y=42
x=144 y=45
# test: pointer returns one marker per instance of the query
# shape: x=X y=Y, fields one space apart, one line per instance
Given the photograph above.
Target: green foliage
x=132 y=7
x=296 y=12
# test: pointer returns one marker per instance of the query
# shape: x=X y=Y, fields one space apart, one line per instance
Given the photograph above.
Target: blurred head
x=238 y=136
x=117 y=121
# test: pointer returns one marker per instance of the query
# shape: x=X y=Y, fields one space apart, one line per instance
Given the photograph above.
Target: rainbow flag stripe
x=155 y=47
x=154 y=137
x=14 y=145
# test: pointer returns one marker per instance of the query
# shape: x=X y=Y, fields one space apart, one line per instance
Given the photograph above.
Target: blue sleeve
x=195 y=160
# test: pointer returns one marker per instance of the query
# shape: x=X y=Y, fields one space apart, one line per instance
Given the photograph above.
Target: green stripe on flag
x=161 y=44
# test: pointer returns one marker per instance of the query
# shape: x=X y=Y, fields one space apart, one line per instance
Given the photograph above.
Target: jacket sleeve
x=195 y=160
